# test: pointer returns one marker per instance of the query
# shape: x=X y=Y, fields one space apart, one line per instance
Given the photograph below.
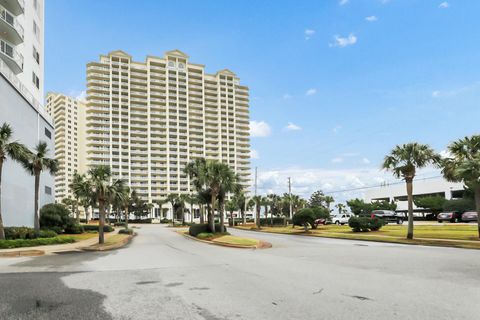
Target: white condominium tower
x=147 y=120
x=68 y=116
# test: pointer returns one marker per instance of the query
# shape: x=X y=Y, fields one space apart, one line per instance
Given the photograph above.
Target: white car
x=341 y=218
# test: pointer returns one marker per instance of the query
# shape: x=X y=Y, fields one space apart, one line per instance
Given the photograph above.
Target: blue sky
x=334 y=84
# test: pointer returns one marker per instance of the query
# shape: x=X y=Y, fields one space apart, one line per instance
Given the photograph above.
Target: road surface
x=162 y=275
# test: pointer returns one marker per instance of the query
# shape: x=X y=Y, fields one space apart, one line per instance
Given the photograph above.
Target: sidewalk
x=52 y=249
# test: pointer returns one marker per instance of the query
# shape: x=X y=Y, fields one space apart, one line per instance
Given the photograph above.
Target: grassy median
x=448 y=235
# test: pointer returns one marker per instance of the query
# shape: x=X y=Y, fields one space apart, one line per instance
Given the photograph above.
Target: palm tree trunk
x=258 y=216
x=126 y=217
x=222 y=216
x=477 y=206
x=202 y=209
x=86 y=214
x=183 y=214
x=191 y=213
x=2 y=231
x=231 y=218
x=77 y=211
x=409 y=182
x=211 y=215
x=37 y=214
x=101 y=224
x=243 y=216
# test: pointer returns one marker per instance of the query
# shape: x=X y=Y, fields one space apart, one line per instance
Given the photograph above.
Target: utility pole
x=255 y=214
x=290 y=195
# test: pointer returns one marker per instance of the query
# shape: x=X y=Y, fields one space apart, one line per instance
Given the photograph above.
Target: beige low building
x=147 y=120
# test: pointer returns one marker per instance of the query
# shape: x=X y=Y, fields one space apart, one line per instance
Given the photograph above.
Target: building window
x=35 y=80
x=48 y=133
x=48 y=190
x=36 y=55
x=36 y=30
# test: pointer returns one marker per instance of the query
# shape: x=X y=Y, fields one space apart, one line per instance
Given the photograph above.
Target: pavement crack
x=319 y=291
x=173 y=284
x=361 y=298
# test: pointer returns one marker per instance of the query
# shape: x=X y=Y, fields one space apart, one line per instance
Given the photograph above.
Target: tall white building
x=68 y=116
x=21 y=90
x=147 y=120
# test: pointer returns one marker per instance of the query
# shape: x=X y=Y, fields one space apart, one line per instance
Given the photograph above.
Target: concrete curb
x=113 y=246
x=260 y=245
x=22 y=253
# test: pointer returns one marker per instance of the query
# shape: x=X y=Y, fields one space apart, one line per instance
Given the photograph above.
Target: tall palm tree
x=241 y=202
x=77 y=187
x=463 y=165
x=221 y=180
x=35 y=163
x=403 y=161
x=276 y=205
x=160 y=204
x=204 y=197
x=123 y=199
x=328 y=201
x=81 y=189
x=103 y=190
x=257 y=202
x=192 y=200
x=172 y=198
x=13 y=150
x=181 y=200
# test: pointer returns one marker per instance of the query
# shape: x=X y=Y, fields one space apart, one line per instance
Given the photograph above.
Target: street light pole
x=290 y=195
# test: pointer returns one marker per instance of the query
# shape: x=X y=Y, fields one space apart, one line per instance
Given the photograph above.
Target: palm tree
x=102 y=190
x=328 y=201
x=220 y=179
x=77 y=186
x=160 y=204
x=231 y=206
x=403 y=161
x=81 y=189
x=241 y=201
x=181 y=200
x=15 y=151
x=341 y=208
x=172 y=198
x=276 y=205
x=463 y=165
x=35 y=162
x=204 y=203
x=123 y=199
x=192 y=199
x=257 y=202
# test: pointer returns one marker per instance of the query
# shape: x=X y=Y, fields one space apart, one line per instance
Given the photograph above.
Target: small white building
x=421 y=187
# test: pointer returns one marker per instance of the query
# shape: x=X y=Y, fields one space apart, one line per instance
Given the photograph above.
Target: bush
x=55 y=215
x=92 y=227
x=74 y=229
x=304 y=217
x=126 y=231
x=13 y=233
x=196 y=229
x=119 y=224
x=20 y=243
x=205 y=235
x=165 y=220
x=277 y=221
x=47 y=234
x=365 y=224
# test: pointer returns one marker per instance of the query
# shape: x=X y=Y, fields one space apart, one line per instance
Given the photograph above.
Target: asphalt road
x=162 y=275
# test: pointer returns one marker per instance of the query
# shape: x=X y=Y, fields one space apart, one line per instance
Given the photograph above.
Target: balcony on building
x=10 y=28
x=12 y=58
x=16 y=7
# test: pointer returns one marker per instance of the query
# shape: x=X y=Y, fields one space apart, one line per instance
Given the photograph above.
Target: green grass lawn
x=464 y=236
x=79 y=237
x=236 y=241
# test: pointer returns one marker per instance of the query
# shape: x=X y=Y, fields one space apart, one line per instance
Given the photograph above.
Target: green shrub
x=205 y=235
x=196 y=229
x=126 y=231
x=365 y=224
x=277 y=221
x=57 y=230
x=119 y=224
x=13 y=233
x=47 y=234
x=165 y=220
x=55 y=215
x=92 y=227
x=20 y=243
x=74 y=229
x=304 y=217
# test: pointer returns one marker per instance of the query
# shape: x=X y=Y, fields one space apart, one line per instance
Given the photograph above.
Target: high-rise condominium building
x=21 y=93
x=147 y=120
x=68 y=116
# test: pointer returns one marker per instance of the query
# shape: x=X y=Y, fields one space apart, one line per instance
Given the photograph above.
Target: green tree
x=341 y=208
x=317 y=199
x=77 y=187
x=173 y=198
x=459 y=205
x=403 y=161
x=463 y=165
x=35 y=163
x=433 y=204
x=241 y=202
x=358 y=206
x=257 y=202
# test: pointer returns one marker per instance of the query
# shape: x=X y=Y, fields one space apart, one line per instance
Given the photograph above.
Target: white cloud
x=366 y=161
x=82 y=96
x=287 y=96
x=259 y=129
x=292 y=127
x=336 y=129
x=337 y=160
x=309 y=33
x=311 y=92
x=435 y=93
x=343 y=42
x=445 y=154
x=343 y=2
x=444 y=5
x=371 y=18
x=254 y=154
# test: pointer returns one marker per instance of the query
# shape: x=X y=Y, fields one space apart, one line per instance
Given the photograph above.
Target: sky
x=334 y=84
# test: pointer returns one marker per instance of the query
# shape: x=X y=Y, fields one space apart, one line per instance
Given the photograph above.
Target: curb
x=114 y=246
x=261 y=244
x=22 y=253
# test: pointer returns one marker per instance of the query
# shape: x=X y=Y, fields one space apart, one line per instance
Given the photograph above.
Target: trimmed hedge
x=126 y=231
x=365 y=224
x=92 y=227
x=20 y=243
x=304 y=217
x=14 y=233
x=165 y=220
x=74 y=229
x=277 y=221
x=196 y=229
x=119 y=224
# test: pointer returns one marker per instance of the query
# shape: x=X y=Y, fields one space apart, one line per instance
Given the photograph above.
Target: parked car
x=470 y=216
x=321 y=221
x=388 y=216
x=453 y=217
x=341 y=218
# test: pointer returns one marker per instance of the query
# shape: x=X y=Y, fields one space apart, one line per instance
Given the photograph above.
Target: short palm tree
x=13 y=150
x=403 y=161
x=77 y=186
x=463 y=165
x=257 y=202
x=172 y=198
x=103 y=190
x=35 y=163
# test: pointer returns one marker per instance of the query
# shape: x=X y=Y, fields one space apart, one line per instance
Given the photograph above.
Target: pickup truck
x=388 y=216
x=341 y=218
